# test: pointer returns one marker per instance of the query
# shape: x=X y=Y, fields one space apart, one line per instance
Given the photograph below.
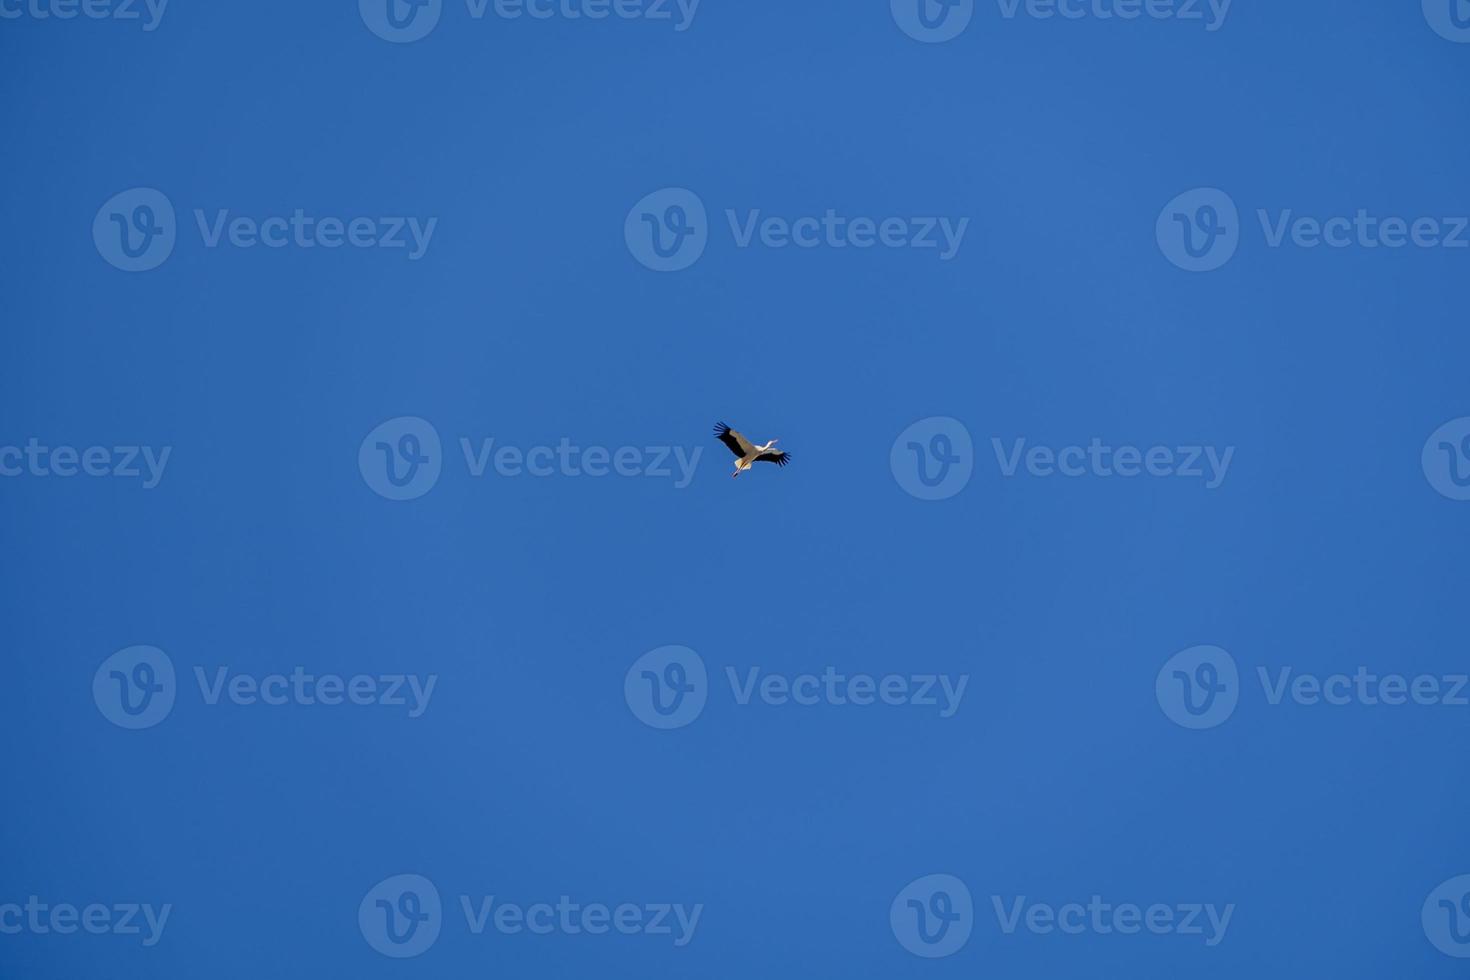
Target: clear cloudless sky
x=529 y=321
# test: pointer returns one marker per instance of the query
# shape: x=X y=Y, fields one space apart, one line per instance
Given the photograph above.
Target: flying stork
x=747 y=452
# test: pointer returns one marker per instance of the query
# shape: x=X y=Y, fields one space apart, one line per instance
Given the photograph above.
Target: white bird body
x=747 y=452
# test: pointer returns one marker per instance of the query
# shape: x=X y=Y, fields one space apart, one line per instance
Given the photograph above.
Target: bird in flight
x=747 y=452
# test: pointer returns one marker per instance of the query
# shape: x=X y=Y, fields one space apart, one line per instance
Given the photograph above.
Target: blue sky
x=1119 y=565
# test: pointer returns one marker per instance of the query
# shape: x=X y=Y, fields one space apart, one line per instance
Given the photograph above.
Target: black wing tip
x=721 y=428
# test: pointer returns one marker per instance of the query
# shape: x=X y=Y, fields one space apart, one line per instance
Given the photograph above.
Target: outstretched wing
x=780 y=459
x=739 y=445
